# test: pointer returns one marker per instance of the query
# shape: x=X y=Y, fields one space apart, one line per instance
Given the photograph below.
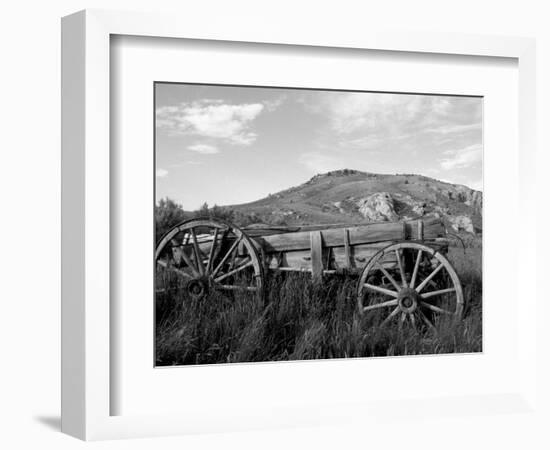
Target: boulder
x=462 y=223
x=339 y=206
x=378 y=207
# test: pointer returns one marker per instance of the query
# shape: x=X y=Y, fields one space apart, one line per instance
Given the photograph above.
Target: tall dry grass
x=299 y=321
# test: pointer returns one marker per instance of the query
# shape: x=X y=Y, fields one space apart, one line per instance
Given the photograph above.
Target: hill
x=351 y=196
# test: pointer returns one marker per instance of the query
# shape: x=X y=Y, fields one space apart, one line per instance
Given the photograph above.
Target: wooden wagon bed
x=329 y=248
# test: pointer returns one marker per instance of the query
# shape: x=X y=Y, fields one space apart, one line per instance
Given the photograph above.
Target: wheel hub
x=197 y=288
x=407 y=299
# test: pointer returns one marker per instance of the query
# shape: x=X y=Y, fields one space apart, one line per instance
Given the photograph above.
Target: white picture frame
x=86 y=246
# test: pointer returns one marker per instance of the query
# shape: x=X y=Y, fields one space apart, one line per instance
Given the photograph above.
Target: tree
x=167 y=214
x=203 y=211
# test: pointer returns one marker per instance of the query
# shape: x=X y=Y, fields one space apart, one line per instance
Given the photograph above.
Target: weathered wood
x=401 y=268
x=212 y=249
x=301 y=259
x=437 y=293
x=267 y=230
x=224 y=259
x=198 y=258
x=420 y=229
x=415 y=270
x=364 y=234
x=379 y=289
x=347 y=249
x=316 y=246
x=429 y=277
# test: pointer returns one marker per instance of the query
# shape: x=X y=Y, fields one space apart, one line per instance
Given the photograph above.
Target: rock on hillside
x=378 y=207
x=461 y=223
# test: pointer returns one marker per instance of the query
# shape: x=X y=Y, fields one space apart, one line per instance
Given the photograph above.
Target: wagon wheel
x=409 y=282
x=204 y=255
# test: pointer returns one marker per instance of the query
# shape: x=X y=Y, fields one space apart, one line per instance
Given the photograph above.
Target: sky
x=229 y=144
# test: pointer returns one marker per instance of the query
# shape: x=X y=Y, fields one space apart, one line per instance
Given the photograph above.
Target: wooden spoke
x=388 y=276
x=171 y=268
x=198 y=257
x=413 y=321
x=429 y=277
x=426 y=320
x=189 y=263
x=232 y=287
x=224 y=259
x=234 y=271
x=436 y=308
x=212 y=250
x=393 y=314
x=416 y=266
x=233 y=259
x=435 y=293
x=165 y=290
x=401 y=270
x=380 y=290
x=162 y=263
x=380 y=305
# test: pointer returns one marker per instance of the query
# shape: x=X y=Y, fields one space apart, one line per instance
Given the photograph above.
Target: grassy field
x=299 y=321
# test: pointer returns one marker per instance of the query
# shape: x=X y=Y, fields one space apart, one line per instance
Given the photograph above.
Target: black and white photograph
x=299 y=224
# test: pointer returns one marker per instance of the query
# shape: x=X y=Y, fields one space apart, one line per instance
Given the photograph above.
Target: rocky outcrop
x=474 y=199
x=465 y=195
x=461 y=223
x=378 y=207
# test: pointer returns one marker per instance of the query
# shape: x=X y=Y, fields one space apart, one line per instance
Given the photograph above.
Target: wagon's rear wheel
x=410 y=283
x=200 y=256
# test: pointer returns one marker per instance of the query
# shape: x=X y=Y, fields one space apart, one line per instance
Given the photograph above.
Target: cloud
x=161 y=173
x=391 y=116
x=457 y=128
x=318 y=163
x=464 y=157
x=204 y=149
x=211 y=118
x=272 y=105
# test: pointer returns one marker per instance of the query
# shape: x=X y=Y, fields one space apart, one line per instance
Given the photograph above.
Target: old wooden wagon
x=402 y=269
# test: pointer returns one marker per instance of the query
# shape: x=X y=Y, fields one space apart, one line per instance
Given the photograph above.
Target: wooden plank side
x=266 y=230
x=316 y=245
x=301 y=259
x=365 y=234
x=348 y=262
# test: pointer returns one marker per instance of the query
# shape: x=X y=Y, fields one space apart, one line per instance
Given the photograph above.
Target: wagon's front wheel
x=410 y=283
x=200 y=256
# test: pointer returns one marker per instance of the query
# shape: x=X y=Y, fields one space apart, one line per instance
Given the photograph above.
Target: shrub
x=167 y=214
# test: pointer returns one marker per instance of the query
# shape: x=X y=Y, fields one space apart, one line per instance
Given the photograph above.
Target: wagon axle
x=198 y=288
x=407 y=300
